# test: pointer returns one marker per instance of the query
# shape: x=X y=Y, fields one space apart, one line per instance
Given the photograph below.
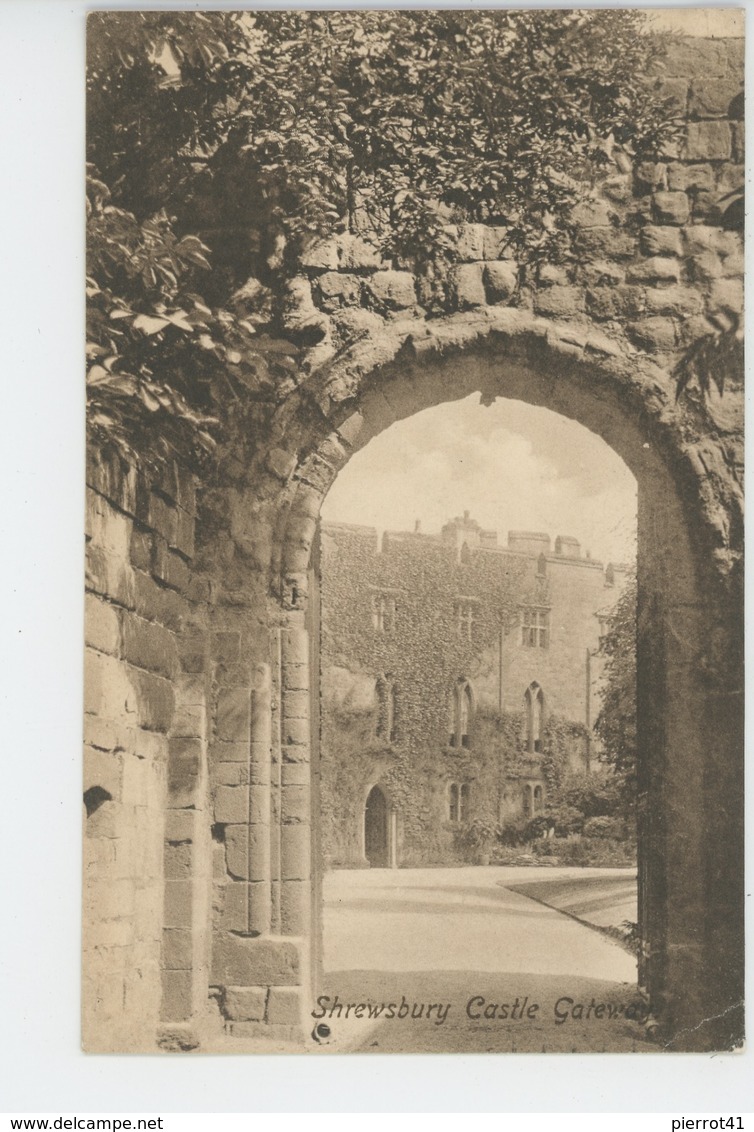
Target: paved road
x=448 y=935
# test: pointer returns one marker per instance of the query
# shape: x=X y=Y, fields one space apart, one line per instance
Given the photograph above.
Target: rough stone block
x=284 y=1006
x=244 y=1004
x=189 y=721
x=185 y=757
x=178 y=903
x=468 y=240
x=235 y=906
x=606 y=243
x=238 y=961
x=500 y=280
x=259 y=804
x=177 y=947
x=113 y=479
x=344 y=252
x=591 y=214
x=231 y=804
x=670 y=208
x=392 y=290
x=230 y=774
x=727 y=295
x=616 y=302
x=688 y=56
x=237 y=851
x=708 y=141
x=295 y=804
x=177 y=861
x=221 y=752
x=296 y=677
x=706 y=266
x=106 y=686
x=618 y=188
x=109 y=575
x=233 y=716
x=559 y=302
x=713 y=99
x=660 y=241
x=296 y=852
x=496 y=243
x=651 y=176
x=467 y=285
x=335 y=289
x=296 y=705
x=103 y=770
x=601 y=273
x=673 y=300
x=295 y=905
x=176 y=996
x=296 y=731
x=282 y=464
x=152 y=699
x=182 y=537
x=676 y=90
x=657 y=269
x=295 y=774
x=147 y=645
x=653 y=333
x=690 y=178
x=137 y=780
x=101 y=629
x=180 y=825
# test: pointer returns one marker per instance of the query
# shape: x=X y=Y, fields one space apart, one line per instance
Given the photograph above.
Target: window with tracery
x=535 y=628
x=533 y=718
x=460 y=713
x=458 y=801
x=465 y=615
x=383 y=613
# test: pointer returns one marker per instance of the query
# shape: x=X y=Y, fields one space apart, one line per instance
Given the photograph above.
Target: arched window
x=458 y=801
x=527 y=801
x=460 y=713
x=533 y=717
x=386 y=709
x=538 y=800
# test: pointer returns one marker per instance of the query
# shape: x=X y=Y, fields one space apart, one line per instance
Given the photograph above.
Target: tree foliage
x=221 y=144
x=616 y=722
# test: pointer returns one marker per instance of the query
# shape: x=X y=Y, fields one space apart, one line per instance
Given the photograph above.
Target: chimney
x=417 y=526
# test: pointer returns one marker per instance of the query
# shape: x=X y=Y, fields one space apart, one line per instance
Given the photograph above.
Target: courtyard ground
x=504 y=972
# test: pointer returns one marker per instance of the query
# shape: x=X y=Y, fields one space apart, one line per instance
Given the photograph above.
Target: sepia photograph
x=413 y=694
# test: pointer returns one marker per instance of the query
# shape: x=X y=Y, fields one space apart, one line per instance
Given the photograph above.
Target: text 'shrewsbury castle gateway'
x=458 y=682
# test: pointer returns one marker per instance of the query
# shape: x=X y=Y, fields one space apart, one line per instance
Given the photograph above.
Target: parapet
x=529 y=542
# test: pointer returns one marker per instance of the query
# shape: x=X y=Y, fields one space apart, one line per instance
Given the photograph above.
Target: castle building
x=458 y=683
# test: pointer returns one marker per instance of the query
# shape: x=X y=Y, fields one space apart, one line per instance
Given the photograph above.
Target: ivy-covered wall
x=406 y=627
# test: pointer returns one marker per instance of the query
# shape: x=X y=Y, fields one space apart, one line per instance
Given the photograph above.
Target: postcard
x=414 y=667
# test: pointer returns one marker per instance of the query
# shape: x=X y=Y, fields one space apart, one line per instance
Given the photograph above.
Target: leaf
x=149 y=324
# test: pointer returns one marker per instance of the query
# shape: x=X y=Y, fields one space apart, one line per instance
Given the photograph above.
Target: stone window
x=535 y=628
x=539 y=804
x=534 y=703
x=465 y=614
x=458 y=801
x=460 y=711
x=386 y=710
x=383 y=613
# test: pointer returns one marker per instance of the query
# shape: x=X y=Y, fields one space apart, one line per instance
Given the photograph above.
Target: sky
x=513 y=466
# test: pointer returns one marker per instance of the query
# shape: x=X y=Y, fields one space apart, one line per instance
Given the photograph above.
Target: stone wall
x=199 y=704
x=422 y=655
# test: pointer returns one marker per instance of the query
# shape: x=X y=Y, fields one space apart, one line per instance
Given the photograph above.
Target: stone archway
x=688 y=643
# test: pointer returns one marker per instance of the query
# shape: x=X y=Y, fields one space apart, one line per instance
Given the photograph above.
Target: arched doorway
x=377 y=829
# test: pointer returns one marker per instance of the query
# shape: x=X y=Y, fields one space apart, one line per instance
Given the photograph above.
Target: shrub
x=605 y=827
